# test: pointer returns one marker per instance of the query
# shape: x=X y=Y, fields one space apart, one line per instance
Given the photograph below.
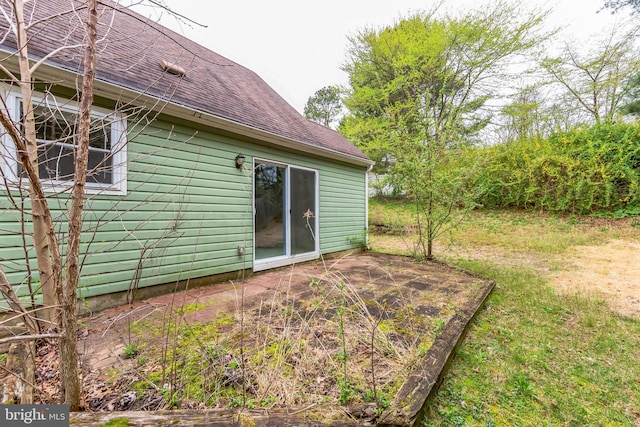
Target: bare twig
x=15 y=304
x=28 y=337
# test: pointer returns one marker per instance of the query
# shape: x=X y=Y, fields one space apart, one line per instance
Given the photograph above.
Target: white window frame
x=8 y=154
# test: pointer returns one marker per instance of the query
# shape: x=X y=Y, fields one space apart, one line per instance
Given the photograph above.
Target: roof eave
x=262 y=135
x=183 y=112
x=49 y=72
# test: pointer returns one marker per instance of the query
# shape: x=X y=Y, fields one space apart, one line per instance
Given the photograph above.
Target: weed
x=131 y=350
x=3 y=357
x=190 y=308
x=170 y=397
x=522 y=385
x=423 y=347
x=142 y=360
x=626 y=212
x=358 y=239
x=268 y=402
x=112 y=375
x=214 y=351
x=116 y=422
x=346 y=391
x=439 y=324
x=314 y=282
x=369 y=396
x=235 y=402
x=327 y=347
x=382 y=402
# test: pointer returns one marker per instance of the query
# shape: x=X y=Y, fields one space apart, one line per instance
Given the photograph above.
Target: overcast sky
x=297 y=46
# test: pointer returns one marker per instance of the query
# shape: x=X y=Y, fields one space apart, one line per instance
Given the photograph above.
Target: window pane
x=303 y=215
x=55 y=132
x=55 y=126
x=269 y=211
x=55 y=162
x=100 y=134
x=100 y=167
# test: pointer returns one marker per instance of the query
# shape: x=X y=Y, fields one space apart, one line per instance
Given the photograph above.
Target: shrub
x=584 y=170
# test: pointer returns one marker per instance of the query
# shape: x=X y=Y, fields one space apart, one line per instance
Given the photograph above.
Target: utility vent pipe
x=172 y=68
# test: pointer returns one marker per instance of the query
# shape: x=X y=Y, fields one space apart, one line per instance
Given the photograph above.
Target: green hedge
x=586 y=170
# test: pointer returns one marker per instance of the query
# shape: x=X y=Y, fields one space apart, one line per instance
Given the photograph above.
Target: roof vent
x=172 y=68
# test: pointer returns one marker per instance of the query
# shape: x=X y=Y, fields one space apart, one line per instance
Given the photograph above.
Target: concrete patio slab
x=383 y=282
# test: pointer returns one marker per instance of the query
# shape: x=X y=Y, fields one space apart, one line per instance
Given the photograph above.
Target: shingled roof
x=130 y=54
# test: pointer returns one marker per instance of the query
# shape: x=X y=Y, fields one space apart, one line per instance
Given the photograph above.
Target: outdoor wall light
x=239 y=160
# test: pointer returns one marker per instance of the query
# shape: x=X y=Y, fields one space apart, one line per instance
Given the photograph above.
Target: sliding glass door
x=285 y=207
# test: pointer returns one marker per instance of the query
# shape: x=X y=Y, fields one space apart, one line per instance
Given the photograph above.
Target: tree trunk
x=40 y=230
x=68 y=344
x=21 y=359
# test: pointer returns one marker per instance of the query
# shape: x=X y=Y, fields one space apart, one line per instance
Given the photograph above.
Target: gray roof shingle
x=129 y=55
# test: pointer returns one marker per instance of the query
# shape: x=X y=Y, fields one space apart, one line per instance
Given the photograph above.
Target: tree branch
x=14 y=303
x=28 y=338
x=35 y=66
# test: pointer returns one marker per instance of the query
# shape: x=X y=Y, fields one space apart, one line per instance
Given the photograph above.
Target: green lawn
x=533 y=356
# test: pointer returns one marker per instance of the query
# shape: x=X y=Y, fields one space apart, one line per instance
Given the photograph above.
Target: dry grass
x=330 y=340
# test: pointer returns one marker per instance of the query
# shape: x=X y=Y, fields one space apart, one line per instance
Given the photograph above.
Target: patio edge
x=408 y=407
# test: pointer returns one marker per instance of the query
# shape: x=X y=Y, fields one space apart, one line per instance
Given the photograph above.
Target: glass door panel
x=270 y=217
x=303 y=206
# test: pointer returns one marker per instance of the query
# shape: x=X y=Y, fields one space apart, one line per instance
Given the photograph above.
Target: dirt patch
x=314 y=334
x=611 y=271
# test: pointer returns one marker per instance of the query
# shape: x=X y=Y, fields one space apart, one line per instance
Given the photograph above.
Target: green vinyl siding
x=186 y=211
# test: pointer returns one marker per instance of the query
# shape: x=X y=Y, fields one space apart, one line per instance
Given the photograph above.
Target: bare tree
x=524 y=116
x=597 y=79
x=23 y=136
x=68 y=342
x=617 y=5
x=58 y=286
x=24 y=139
x=48 y=162
x=58 y=289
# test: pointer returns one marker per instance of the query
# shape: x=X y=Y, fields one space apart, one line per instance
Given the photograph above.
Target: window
x=56 y=126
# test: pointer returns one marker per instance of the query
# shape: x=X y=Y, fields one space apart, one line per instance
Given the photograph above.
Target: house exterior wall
x=186 y=211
